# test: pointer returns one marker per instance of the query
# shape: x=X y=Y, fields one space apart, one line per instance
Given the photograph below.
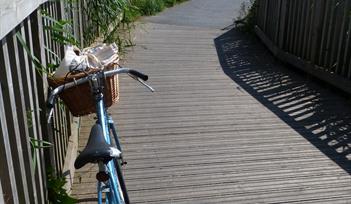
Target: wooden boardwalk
x=228 y=123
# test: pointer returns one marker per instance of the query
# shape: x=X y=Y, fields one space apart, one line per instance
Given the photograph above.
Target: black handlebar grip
x=142 y=76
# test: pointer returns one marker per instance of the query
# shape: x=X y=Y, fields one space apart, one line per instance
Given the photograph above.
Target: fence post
x=80 y=22
x=12 y=118
x=282 y=23
x=265 y=15
x=7 y=172
x=46 y=131
x=18 y=65
x=317 y=20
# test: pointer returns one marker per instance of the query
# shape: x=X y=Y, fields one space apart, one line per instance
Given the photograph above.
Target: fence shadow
x=321 y=117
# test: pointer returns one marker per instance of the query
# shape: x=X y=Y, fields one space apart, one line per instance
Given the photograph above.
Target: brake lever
x=143 y=83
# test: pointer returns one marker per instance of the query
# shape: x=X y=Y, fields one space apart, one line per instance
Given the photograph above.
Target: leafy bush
x=150 y=7
x=56 y=191
x=112 y=19
x=170 y=3
x=105 y=15
x=246 y=20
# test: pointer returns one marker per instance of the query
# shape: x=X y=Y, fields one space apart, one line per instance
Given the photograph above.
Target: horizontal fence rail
x=13 y=12
x=313 y=35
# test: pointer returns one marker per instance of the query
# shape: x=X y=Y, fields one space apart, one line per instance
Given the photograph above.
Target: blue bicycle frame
x=113 y=194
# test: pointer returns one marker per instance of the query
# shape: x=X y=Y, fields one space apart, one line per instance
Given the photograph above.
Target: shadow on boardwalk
x=321 y=117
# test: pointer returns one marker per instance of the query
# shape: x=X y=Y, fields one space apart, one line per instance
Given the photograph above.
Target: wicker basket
x=79 y=99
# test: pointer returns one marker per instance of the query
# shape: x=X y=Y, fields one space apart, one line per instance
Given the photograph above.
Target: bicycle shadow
x=321 y=117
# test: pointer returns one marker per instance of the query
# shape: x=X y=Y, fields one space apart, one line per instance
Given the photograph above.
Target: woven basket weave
x=79 y=99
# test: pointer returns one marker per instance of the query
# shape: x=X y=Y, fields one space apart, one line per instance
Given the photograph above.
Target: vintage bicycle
x=103 y=145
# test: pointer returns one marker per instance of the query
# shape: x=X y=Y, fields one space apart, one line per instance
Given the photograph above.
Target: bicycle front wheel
x=122 y=185
x=115 y=193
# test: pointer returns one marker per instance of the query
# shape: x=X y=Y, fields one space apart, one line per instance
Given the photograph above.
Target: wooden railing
x=313 y=35
x=23 y=92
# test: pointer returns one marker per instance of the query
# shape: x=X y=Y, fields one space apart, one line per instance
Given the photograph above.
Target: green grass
x=148 y=7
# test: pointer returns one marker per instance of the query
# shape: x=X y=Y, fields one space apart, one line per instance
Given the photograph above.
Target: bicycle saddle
x=97 y=149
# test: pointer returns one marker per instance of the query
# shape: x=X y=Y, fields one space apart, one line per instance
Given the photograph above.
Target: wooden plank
x=57 y=144
x=265 y=15
x=66 y=127
x=260 y=13
x=283 y=16
x=277 y=21
x=294 y=16
x=15 y=50
x=23 y=103
x=319 y=8
x=289 y=26
x=337 y=31
x=76 y=22
x=80 y=23
x=35 y=114
x=297 y=30
x=40 y=83
x=270 y=19
x=327 y=18
x=308 y=28
x=60 y=14
x=328 y=60
x=28 y=100
x=7 y=175
x=343 y=38
x=347 y=49
x=70 y=122
x=304 y=28
x=60 y=135
x=64 y=134
x=12 y=120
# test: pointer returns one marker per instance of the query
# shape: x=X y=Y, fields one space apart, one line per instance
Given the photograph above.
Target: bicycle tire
x=115 y=195
x=121 y=181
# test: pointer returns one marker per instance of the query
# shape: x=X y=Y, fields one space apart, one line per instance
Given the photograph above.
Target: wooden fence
x=313 y=35
x=23 y=92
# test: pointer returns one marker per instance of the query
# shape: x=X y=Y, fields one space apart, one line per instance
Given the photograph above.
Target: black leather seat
x=97 y=149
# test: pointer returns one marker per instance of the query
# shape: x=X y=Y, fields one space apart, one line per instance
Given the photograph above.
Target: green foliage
x=38 y=144
x=130 y=13
x=151 y=7
x=246 y=20
x=170 y=3
x=57 y=192
x=41 y=69
x=105 y=16
x=60 y=30
x=112 y=20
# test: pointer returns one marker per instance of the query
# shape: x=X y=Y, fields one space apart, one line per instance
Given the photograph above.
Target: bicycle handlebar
x=53 y=95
